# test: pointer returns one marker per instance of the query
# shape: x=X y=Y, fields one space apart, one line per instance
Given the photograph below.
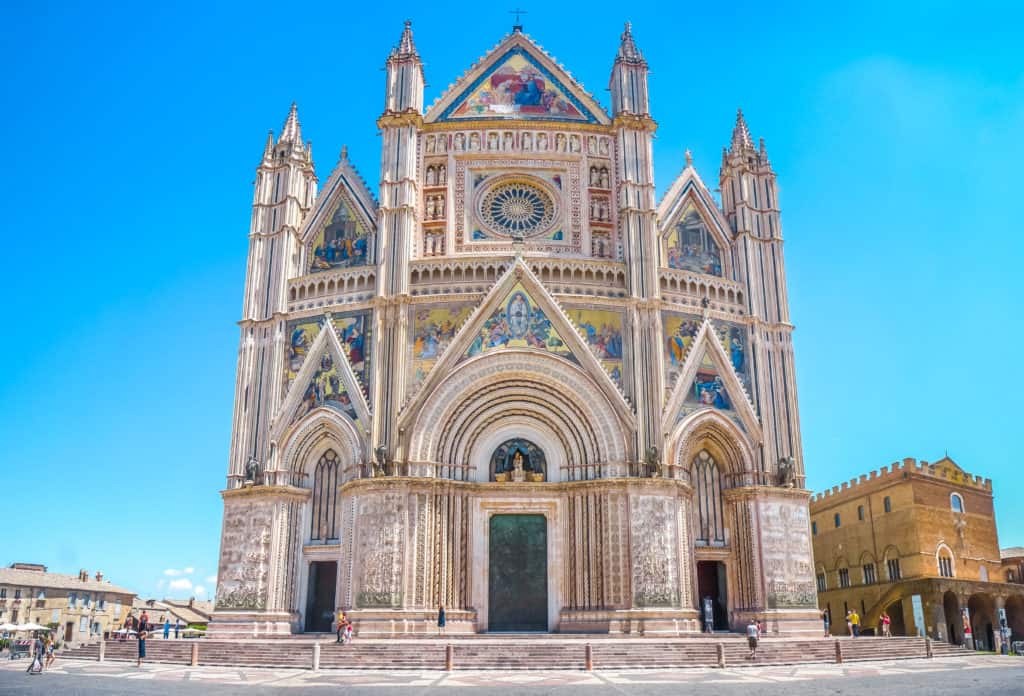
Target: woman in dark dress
x=440 y=620
x=142 y=646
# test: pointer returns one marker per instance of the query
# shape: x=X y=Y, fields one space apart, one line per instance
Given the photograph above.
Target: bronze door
x=518 y=573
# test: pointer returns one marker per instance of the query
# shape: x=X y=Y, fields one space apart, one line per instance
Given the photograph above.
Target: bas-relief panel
x=517 y=87
x=433 y=328
x=244 y=556
x=341 y=242
x=602 y=330
x=655 y=561
x=786 y=555
x=519 y=323
x=381 y=531
x=690 y=245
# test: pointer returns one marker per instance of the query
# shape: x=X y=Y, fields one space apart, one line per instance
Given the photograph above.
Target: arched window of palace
x=323 y=523
x=956 y=502
x=707 y=484
x=518 y=460
x=945 y=558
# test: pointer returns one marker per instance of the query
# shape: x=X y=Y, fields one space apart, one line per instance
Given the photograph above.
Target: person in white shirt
x=753 y=633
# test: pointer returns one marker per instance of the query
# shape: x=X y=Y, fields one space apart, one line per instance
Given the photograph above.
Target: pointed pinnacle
x=405 y=46
x=343 y=157
x=689 y=158
x=627 y=47
x=740 y=132
x=291 y=131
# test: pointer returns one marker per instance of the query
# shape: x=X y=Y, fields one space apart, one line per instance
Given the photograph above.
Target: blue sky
x=133 y=134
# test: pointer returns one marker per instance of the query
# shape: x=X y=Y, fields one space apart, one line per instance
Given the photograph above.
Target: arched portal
x=517 y=393
x=952 y=621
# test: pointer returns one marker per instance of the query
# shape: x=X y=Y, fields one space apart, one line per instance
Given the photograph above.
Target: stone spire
x=405 y=48
x=628 y=51
x=291 y=132
x=741 y=139
x=268 y=148
x=628 y=83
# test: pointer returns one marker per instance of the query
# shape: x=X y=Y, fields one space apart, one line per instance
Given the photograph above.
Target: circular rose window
x=517 y=209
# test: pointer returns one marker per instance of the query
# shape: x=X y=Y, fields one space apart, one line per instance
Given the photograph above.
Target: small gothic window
x=323 y=523
x=814 y=528
x=860 y=513
x=836 y=519
x=956 y=502
x=844 y=577
x=710 y=517
x=887 y=504
x=945 y=564
x=869 y=574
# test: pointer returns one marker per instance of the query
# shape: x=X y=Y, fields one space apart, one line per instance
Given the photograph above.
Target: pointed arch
x=326 y=343
x=689 y=194
x=345 y=210
x=518 y=274
x=512 y=56
x=710 y=430
x=706 y=343
x=309 y=438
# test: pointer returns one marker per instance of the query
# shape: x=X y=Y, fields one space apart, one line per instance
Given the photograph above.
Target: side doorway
x=712 y=584
x=323 y=578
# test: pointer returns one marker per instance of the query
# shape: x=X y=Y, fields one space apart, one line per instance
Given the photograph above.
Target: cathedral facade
x=510 y=382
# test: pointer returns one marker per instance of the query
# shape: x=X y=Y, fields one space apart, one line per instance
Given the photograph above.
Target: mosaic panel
x=602 y=330
x=341 y=242
x=433 y=328
x=519 y=323
x=690 y=245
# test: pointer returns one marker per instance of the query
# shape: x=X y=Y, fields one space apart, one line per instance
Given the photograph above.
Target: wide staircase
x=491 y=653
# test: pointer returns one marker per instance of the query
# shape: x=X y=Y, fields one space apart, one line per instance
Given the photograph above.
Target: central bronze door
x=518 y=573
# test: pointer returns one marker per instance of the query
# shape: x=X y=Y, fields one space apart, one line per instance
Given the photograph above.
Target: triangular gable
x=325 y=380
x=707 y=381
x=517 y=284
x=340 y=230
x=694 y=235
x=516 y=80
x=519 y=322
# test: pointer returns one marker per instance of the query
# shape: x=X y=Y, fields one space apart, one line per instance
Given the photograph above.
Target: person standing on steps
x=177 y=628
x=753 y=633
x=167 y=628
x=855 y=623
x=143 y=634
x=441 y=620
x=709 y=615
x=886 y=625
x=826 y=619
x=341 y=624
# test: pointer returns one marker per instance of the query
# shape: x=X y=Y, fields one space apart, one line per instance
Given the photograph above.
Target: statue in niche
x=652 y=461
x=518 y=460
x=252 y=471
x=380 y=461
x=786 y=472
x=527 y=142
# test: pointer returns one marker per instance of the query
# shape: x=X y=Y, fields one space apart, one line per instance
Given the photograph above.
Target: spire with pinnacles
x=628 y=51
x=741 y=139
x=405 y=78
x=291 y=131
x=628 y=83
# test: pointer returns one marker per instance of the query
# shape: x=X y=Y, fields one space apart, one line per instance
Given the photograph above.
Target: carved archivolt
x=716 y=433
x=524 y=385
x=320 y=430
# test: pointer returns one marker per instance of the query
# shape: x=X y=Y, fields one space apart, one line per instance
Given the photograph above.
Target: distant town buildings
x=918 y=541
x=79 y=608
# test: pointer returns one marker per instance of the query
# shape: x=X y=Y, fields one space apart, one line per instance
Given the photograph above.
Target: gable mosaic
x=519 y=323
x=341 y=242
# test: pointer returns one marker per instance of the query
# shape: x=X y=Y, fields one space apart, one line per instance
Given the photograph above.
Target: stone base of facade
x=231 y=624
x=644 y=622
x=385 y=623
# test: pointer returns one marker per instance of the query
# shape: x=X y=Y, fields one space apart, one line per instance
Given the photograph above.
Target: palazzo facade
x=509 y=381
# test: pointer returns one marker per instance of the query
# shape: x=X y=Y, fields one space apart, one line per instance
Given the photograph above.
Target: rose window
x=517 y=209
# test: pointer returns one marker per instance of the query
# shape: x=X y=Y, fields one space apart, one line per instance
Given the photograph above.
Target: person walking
x=753 y=633
x=50 y=652
x=143 y=622
x=167 y=628
x=826 y=619
x=849 y=622
x=143 y=634
x=441 y=620
x=855 y=623
x=177 y=628
x=341 y=624
x=35 y=665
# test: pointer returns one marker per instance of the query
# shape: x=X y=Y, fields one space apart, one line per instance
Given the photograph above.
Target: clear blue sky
x=132 y=134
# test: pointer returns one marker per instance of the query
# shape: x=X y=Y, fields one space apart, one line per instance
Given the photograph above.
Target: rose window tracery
x=517 y=209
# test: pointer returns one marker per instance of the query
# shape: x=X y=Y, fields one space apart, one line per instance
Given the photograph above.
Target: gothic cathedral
x=509 y=381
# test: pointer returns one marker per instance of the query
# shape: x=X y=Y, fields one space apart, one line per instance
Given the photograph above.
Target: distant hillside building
x=80 y=608
x=919 y=541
